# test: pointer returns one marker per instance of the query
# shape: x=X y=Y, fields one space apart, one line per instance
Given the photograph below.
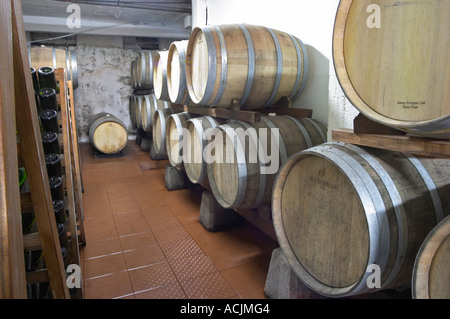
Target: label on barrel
x=411 y=104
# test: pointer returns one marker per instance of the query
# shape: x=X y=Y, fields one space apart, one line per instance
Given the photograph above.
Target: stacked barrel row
x=342 y=213
x=254 y=65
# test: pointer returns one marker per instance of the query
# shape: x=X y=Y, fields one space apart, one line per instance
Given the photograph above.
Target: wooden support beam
x=399 y=143
x=12 y=264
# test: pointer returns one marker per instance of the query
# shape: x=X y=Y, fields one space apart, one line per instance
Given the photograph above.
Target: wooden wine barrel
x=174 y=138
x=149 y=106
x=144 y=67
x=341 y=211
x=138 y=106
x=242 y=177
x=431 y=273
x=160 y=76
x=55 y=58
x=254 y=64
x=107 y=133
x=159 y=129
x=176 y=73
x=194 y=163
x=397 y=74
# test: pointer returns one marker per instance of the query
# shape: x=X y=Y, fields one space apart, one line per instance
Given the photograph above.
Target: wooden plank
x=38 y=276
x=33 y=155
x=235 y=113
x=60 y=77
x=32 y=242
x=400 y=143
x=12 y=265
x=238 y=115
x=77 y=172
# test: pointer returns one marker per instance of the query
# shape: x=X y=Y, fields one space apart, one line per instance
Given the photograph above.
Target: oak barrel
x=194 y=163
x=148 y=108
x=138 y=106
x=144 y=69
x=176 y=73
x=256 y=65
x=107 y=133
x=340 y=211
x=174 y=138
x=242 y=171
x=393 y=63
x=159 y=130
x=55 y=58
x=431 y=274
x=160 y=76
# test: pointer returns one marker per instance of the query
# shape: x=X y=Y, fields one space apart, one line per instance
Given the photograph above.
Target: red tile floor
x=146 y=242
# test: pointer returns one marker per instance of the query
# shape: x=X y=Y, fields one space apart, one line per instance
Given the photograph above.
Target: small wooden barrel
x=107 y=133
x=149 y=106
x=55 y=58
x=254 y=64
x=176 y=73
x=242 y=177
x=392 y=61
x=144 y=68
x=174 y=138
x=160 y=76
x=431 y=274
x=194 y=163
x=160 y=130
x=347 y=217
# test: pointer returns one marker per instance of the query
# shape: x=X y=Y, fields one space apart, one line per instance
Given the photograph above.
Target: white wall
x=103 y=80
x=311 y=21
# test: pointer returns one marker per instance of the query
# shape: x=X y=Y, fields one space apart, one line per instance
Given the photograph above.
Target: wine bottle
x=50 y=143
x=47 y=99
x=49 y=120
x=47 y=78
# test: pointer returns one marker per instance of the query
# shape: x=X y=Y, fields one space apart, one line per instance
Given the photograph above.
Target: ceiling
x=139 y=18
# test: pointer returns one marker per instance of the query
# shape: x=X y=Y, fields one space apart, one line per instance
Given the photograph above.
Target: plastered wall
x=103 y=80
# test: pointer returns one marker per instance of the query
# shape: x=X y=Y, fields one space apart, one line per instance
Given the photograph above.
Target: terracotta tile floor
x=146 y=242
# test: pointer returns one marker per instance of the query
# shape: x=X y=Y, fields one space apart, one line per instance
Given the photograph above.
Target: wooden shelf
x=371 y=134
x=235 y=113
x=405 y=144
